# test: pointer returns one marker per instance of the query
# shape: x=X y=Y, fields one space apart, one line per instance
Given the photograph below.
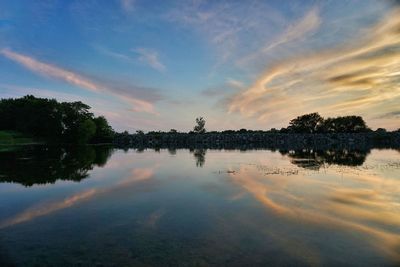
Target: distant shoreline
x=237 y=140
x=261 y=140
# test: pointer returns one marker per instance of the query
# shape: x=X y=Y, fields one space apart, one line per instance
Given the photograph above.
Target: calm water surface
x=97 y=206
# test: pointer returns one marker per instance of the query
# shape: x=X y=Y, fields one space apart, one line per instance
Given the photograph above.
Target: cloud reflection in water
x=350 y=200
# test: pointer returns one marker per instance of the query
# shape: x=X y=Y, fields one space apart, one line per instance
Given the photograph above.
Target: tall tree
x=346 y=124
x=68 y=122
x=200 y=125
x=308 y=123
x=104 y=132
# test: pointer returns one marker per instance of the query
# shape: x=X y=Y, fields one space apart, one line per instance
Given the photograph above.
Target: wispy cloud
x=137 y=175
x=127 y=5
x=55 y=72
x=146 y=56
x=230 y=86
x=228 y=25
x=308 y=24
x=359 y=78
x=296 y=31
x=393 y=114
x=367 y=207
x=107 y=52
x=39 y=211
x=150 y=57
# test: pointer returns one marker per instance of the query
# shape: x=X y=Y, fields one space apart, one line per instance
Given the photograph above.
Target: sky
x=157 y=65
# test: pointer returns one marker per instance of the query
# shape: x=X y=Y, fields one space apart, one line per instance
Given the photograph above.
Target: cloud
x=147 y=56
x=118 y=116
x=227 y=25
x=43 y=210
x=127 y=5
x=308 y=24
x=137 y=175
x=359 y=78
x=12 y=91
x=110 y=53
x=393 y=114
x=298 y=30
x=368 y=206
x=230 y=85
x=150 y=57
x=127 y=94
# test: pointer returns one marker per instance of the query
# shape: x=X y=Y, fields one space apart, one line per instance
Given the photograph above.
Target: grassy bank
x=12 y=138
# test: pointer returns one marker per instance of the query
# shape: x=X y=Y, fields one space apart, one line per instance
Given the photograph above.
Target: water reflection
x=46 y=208
x=242 y=208
x=364 y=202
x=200 y=156
x=315 y=159
x=41 y=165
x=305 y=158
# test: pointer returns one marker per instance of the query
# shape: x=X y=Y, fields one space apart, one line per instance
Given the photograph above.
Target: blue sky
x=156 y=65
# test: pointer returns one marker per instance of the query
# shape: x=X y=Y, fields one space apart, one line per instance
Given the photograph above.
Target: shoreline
x=242 y=141
x=260 y=140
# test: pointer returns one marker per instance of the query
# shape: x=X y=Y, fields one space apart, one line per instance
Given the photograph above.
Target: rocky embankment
x=260 y=140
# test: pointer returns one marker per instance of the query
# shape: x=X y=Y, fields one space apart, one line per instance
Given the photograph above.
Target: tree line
x=308 y=123
x=72 y=122
x=315 y=123
x=62 y=122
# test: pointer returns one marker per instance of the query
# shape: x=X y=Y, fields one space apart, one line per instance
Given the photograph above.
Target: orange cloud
x=360 y=78
x=48 y=70
x=138 y=175
x=365 y=203
x=49 y=208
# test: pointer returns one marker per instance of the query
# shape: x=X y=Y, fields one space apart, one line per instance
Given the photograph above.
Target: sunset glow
x=157 y=65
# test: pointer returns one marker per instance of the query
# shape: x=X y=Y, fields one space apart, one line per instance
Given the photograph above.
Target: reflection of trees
x=5 y=258
x=172 y=150
x=39 y=164
x=200 y=156
x=311 y=159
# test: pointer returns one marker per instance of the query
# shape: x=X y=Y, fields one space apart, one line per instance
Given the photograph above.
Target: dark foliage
x=104 y=132
x=41 y=165
x=66 y=122
x=200 y=156
x=309 y=123
x=346 y=124
x=314 y=123
x=200 y=125
x=315 y=159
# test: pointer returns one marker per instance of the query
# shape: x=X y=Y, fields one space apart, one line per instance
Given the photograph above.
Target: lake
x=100 y=206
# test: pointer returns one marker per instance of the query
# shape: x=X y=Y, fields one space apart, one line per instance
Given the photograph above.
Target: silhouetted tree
x=228 y=132
x=283 y=130
x=381 y=130
x=308 y=123
x=200 y=125
x=346 y=124
x=86 y=130
x=104 y=132
x=67 y=122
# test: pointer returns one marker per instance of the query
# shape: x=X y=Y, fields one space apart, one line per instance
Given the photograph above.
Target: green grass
x=11 y=138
